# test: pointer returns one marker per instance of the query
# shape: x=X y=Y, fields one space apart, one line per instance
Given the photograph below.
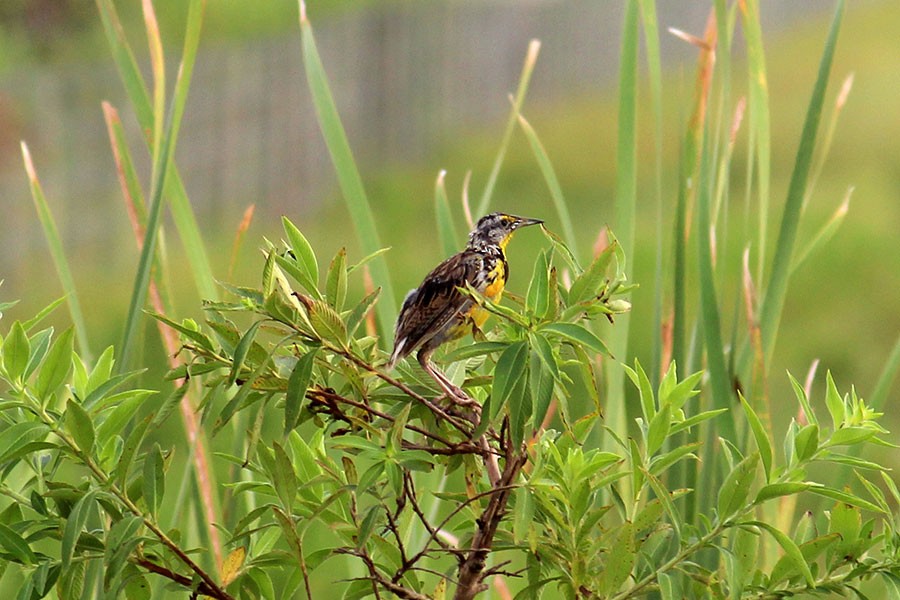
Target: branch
x=183 y=580
x=472 y=570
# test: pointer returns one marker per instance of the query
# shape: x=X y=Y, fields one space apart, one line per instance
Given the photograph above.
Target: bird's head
x=496 y=229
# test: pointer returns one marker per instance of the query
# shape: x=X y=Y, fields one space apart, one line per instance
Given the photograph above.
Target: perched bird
x=437 y=312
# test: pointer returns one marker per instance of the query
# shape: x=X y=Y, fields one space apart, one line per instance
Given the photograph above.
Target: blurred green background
x=422 y=86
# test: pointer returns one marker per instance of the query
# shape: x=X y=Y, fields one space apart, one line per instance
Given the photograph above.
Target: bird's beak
x=523 y=222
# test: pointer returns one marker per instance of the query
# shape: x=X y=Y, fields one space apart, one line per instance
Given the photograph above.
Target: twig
x=472 y=570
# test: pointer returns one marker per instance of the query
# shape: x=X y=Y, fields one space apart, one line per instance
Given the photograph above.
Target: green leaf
x=587 y=285
x=577 y=334
x=188 y=329
x=639 y=378
x=15 y=350
x=241 y=351
x=361 y=310
x=834 y=402
x=326 y=322
x=475 y=349
x=15 y=545
x=132 y=443
x=19 y=435
x=775 y=490
x=849 y=436
x=845 y=497
x=57 y=365
x=154 y=480
x=537 y=299
x=367 y=526
x=74 y=526
x=800 y=393
x=541 y=384
x=510 y=372
x=763 y=444
x=306 y=257
x=40 y=342
x=620 y=560
x=785 y=568
x=292 y=267
x=658 y=430
x=791 y=551
x=79 y=424
x=806 y=443
x=297 y=385
x=284 y=477
x=736 y=487
x=336 y=282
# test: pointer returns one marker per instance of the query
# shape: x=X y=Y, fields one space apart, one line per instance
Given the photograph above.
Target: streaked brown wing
x=430 y=307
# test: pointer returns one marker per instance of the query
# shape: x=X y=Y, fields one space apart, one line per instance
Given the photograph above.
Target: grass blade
x=139 y=97
x=825 y=233
x=534 y=47
x=759 y=119
x=446 y=229
x=51 y=233
x=347 y=173
x=888 y=373
x=626 y=193
x=654 y=68
x=773 y=301
x=549 y=174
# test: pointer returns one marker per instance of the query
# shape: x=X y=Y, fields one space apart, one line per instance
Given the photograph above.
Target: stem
x=678 y=558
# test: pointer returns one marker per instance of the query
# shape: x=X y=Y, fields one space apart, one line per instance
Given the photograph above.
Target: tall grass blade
x=625 y=200
x=654 y=68
x=556 y=193
x=773 y=301
x=709 y=307
x=879 y=396
x=139 y=97
x=759 y=119
x=534 y=47
x=446 y=229
x=158 y=68
x=51 y=233
x=148 y=250
x=690 y=179
x=347 y=173
x=828 y=136
x=825 y=233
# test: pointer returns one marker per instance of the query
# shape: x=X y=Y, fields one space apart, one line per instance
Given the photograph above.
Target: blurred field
x=842 y=306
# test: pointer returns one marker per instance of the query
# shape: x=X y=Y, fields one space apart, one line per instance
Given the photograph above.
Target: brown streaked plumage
x=437 y=312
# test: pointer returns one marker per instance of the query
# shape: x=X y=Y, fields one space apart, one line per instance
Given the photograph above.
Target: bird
x=438 y=311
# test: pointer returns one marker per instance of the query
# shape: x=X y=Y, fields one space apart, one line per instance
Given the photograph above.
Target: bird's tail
x=396 y=354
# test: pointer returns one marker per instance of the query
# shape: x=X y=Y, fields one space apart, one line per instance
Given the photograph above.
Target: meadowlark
x=437 y=311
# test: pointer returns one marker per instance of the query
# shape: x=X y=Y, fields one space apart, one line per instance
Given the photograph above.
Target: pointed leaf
x=154 y=479
x=297 y=385
x=15 y=351
x=736 y=487
x=306 y=258
x=80 y=426
x=57 y=365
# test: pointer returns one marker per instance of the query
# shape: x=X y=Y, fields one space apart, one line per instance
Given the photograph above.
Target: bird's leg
x=453 y=392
